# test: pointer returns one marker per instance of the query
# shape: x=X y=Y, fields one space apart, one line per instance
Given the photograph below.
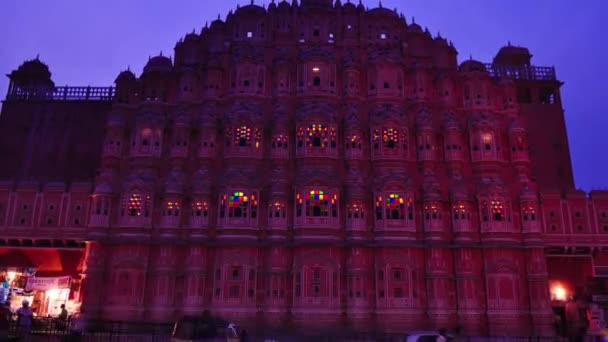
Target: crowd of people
x=20 y=323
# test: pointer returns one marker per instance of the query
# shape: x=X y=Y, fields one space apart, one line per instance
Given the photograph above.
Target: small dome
x=472 y=66
x=190 y=37
x=158 y=63
x=382 y=12
x=250 y=10
x=413 y=27
x=217 y=24
x=125 y=77
x=284 y=5
x=34 y=68
x=349 y=6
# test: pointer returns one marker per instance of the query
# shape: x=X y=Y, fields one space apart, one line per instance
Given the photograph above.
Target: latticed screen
x=317 y=136
x=242 y=136
x=134 y=205
x=497 y=209
x=390 y=137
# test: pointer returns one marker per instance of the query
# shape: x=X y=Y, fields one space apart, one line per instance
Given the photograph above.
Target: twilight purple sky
x=90 y=42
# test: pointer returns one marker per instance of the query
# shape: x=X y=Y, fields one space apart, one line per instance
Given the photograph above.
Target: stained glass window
x=395 y=206
x=238 y=204
x=317 y=202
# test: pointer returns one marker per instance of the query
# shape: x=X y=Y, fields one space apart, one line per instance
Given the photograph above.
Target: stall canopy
x=47 y=262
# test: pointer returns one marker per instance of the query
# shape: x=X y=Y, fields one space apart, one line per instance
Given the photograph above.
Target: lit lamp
x=559 y=292
x=315 y=69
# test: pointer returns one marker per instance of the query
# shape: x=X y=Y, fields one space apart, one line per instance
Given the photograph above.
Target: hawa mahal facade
x=312 y=165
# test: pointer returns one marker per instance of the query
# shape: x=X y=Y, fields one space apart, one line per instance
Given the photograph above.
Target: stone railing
x=62 y=93
x=522 y=72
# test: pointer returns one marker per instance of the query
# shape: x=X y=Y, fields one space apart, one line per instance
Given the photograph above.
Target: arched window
x=355 y=214
x=461 y=212
x=276 y=210
x=432 y=211
x=239 y=206
x=280 y=147
x=242 y=136
x=528 y=211
x=102 y=205
x=316 y=206
x=317 y=136
x=394 y=210
x=394 y=207
x=171 y=208
x=355 y=210
x=134 y=205
x=317 y=203
x=389 y=141
x=200 y=208
x=497 y=208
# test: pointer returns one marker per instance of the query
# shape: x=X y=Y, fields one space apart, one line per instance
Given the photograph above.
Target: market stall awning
x=47 y=262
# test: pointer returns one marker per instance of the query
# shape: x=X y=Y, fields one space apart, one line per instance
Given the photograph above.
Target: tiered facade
x=319 y=165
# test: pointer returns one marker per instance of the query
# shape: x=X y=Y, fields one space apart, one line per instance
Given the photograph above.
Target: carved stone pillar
x=92 y=285
x=538 y=287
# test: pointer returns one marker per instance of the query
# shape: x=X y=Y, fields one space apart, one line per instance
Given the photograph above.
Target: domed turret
x=472 y=66
x=512 y=55
x=159 y=63
x=125 y=77
x=31 y=74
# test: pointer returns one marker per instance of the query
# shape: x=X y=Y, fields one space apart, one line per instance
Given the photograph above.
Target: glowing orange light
x=559 y=292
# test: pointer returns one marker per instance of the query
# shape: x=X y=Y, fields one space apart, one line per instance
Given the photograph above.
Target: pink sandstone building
x=313 y=165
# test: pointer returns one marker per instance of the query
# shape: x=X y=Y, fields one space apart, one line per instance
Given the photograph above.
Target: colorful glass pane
x=394 y=201
x=237 y=198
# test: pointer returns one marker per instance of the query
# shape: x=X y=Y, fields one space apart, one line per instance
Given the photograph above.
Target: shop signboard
x=47 y=283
